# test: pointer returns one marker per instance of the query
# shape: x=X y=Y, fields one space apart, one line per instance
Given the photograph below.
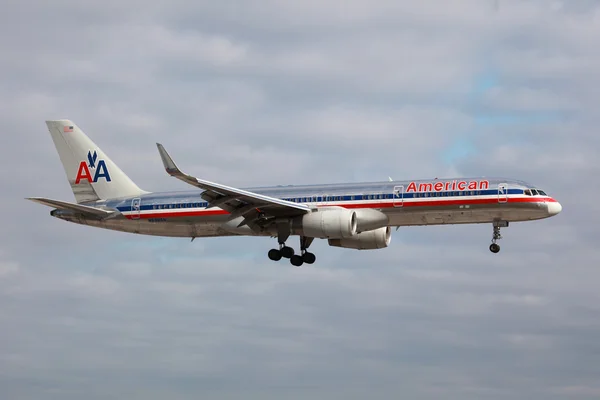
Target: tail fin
x=92 y=175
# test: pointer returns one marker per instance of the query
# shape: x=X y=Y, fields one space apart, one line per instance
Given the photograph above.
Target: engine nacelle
x=370 y=240
x=328 y=223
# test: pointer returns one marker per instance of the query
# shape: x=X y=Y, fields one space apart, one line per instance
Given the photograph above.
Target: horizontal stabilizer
x=78 y=208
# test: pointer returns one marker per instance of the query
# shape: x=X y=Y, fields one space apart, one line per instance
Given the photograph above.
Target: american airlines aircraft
x=353 y=215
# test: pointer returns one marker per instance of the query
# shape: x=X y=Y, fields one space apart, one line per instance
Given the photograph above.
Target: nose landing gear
x=494 y=247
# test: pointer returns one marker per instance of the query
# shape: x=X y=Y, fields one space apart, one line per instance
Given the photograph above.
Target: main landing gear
x=494 y=247
x=288 y=252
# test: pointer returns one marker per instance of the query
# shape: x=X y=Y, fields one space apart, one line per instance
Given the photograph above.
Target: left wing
x=88 y=211
x=240 y=203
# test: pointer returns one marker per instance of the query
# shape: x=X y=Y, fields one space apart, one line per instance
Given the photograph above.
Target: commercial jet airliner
x=353 y=215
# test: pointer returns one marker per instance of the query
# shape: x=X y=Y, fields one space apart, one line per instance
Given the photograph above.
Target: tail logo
x=84 y=173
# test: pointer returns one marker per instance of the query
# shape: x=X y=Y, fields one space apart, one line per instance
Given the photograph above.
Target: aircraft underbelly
x=405 y=216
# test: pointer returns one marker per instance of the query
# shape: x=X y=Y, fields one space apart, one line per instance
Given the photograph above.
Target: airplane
x=350 y=215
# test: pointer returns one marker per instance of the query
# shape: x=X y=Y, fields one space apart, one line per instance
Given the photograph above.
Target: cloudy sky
x=271 y=92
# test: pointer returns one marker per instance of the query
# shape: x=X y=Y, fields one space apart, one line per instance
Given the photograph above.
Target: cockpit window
x=527 y=192
x=542 y=192
x=534 y=192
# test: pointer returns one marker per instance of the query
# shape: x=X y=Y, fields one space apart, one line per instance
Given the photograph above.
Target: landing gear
x=494 y=247
x=288 y=252
x=307 y=257
x=283 y=252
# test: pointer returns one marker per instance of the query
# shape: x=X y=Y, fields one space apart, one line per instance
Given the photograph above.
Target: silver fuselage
x=405 y=203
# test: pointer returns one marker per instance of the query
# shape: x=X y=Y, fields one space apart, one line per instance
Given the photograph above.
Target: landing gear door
x=135 y=208
x=398 y=200
x=502 y=193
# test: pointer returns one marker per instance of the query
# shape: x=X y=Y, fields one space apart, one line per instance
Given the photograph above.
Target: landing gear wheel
x=274 y=255
x=494 y=248
x=287 y=252
x=296 y=260
x=309 y=258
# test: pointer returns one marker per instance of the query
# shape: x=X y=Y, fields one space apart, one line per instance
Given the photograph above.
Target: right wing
x=240 y=203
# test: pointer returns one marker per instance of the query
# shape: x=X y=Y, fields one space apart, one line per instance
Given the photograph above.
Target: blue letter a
x=101 y=171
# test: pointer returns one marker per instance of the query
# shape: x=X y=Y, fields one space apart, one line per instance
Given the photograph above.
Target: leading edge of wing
x=174 y=171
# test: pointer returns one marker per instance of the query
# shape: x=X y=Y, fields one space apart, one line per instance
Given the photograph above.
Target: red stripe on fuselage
x=179 y=213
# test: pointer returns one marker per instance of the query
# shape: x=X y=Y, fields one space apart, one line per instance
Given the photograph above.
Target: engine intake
x=370 y=240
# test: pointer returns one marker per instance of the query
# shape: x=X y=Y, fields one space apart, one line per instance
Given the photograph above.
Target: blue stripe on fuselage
x=184 y=200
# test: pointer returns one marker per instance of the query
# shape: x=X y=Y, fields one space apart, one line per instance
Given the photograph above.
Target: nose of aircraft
x=554 y=207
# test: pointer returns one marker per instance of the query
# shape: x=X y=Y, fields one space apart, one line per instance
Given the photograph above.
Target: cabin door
x=135 y=208
x=398 y=198
x=502 y=193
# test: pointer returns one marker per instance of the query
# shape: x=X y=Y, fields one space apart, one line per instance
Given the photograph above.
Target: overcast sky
x=263 y=93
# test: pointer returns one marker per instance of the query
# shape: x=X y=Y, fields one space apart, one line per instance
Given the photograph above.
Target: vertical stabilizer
x=92 y=175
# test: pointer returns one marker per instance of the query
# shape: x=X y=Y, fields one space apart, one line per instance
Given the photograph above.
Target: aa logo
x=93 y=164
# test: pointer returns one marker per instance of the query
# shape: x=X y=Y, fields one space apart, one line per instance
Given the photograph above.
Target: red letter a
x=83 y=173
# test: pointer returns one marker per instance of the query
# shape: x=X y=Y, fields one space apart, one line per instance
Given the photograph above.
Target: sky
x=253 y=93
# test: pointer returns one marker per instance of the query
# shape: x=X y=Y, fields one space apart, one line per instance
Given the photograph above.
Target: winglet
x=168 y=162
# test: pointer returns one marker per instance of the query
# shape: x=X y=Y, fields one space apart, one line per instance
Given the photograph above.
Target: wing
x=240 y=203
x=93 y=212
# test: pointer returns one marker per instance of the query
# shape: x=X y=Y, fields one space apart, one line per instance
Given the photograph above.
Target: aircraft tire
x=494 y=248
x=274 y=255
x=287 y=252
x=296 y=260
x=309 y=258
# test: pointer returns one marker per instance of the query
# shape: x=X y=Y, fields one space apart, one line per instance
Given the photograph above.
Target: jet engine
x=329 y=223
x=370 y=240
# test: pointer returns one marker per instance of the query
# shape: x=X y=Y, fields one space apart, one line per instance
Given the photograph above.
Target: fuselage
x=405 y=203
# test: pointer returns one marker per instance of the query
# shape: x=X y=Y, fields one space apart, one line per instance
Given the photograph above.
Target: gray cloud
x=278 y=93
